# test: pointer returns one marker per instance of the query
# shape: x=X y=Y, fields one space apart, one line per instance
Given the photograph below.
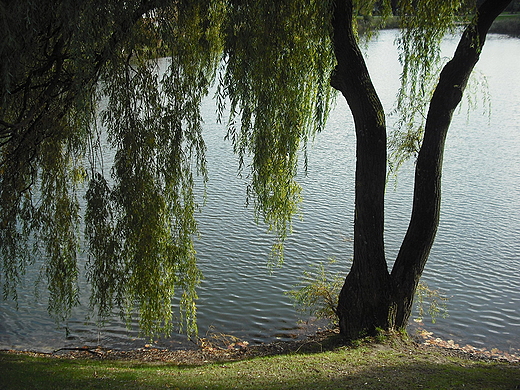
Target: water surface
x=475 y=259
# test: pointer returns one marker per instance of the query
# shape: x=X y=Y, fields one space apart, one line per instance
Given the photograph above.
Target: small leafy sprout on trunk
x=431 y=302
x=317 y=292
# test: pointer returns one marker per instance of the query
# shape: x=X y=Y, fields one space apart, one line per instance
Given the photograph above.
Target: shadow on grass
x=337 y=371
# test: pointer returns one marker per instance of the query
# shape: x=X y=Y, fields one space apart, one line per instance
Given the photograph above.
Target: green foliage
x=317 y=292
x=66 y=63
x=371 y=17
x=431 y=302
x=423 y=26
x=80 y=81
x=278 y=58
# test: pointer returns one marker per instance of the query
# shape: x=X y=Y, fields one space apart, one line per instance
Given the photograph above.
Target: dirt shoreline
x=208 y=352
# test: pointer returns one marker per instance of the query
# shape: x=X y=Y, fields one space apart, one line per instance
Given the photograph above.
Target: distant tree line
x=514 y=7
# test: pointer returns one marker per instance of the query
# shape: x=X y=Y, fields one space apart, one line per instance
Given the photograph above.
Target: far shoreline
x=506 y=23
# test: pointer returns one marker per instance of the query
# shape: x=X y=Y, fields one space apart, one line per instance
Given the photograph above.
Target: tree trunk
x=424 y=221
x=363 y=303
x=372 y=298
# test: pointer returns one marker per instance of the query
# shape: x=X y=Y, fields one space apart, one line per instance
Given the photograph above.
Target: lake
x=475 y=260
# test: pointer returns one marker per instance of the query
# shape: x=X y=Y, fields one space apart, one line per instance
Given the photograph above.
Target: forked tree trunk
x=371 y=297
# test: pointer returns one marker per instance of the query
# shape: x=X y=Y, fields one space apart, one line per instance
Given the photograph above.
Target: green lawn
x=387 y=365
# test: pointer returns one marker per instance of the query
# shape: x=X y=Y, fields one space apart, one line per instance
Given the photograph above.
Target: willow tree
x=93 y=135
x=372 y=297
x=85 y=108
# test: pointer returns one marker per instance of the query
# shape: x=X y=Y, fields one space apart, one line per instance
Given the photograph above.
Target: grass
x=389 y=364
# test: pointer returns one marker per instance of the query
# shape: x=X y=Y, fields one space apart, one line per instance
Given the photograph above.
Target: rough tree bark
x=364 y=297
x=371 y=297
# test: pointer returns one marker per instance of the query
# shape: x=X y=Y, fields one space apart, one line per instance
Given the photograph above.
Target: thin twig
x=86 y=349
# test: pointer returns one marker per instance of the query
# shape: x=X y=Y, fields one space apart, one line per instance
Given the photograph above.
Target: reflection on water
x=475 y=260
